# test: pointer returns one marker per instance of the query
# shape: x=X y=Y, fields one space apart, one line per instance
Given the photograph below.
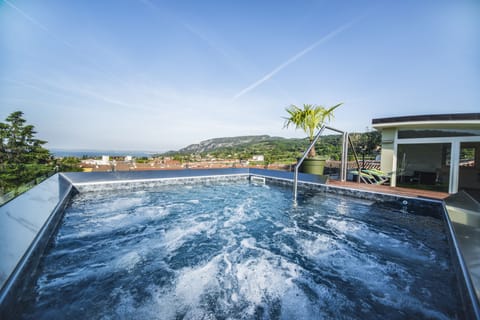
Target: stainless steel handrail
x=343 y=166
x=299 y=163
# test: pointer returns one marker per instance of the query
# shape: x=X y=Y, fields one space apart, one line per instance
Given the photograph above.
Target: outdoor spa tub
x=229 y=244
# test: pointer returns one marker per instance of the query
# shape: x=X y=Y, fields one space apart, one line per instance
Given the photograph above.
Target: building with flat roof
x=438 y=152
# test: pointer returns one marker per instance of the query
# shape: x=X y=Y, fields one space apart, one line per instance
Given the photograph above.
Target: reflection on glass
x=424 y=166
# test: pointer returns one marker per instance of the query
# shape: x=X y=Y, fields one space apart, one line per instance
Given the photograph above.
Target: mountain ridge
x=276 y=148
x=243 y=142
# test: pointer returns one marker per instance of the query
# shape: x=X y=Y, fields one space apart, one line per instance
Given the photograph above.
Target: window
x=467 y=157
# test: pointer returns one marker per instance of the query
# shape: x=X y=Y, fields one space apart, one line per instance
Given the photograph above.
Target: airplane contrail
x=25 y=15
x=294 y=58
x=36 y=22
x=94 y=66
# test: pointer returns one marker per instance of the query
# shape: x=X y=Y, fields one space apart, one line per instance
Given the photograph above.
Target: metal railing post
x=295 y=176
x=295 y=182
x=343 y=166
x=356 y=160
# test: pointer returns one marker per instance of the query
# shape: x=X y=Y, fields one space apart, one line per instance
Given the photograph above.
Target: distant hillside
x=217 y=144
x=273 y=148
x=244 y=147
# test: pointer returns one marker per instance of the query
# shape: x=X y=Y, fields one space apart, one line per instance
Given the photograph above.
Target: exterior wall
x=388 y=150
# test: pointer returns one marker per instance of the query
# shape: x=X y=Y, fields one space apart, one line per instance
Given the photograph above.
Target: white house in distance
x=438 y=152
x=258 y=157
x=105 y=161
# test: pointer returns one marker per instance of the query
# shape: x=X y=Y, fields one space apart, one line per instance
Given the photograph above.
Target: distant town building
x=258 y=158
x=105 y=161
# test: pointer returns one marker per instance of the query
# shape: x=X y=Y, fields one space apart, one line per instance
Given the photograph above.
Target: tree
x=310 y=118
x=68 y=164
x=22 y=156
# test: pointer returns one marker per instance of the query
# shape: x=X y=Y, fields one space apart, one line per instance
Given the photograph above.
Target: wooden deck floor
x=391 y=190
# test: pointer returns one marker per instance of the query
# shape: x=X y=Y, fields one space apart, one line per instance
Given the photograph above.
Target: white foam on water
x=405 y=302
x=261 y=279
x=352 y=266
x=239 y=214
x=246 y=283
x=296 y=305
x=198 y=313
x=228 y=263
x=108 y=219
x=118 y=204
x=182 y=297
x=73 y=275
x=175 y=237
x=194 y=201
x=112 y=215
x=124 y=308
x=380 y=279
x=163 y=305
x=95 y=225
x=326 y=303
x=249 y=243
x=67 y=279
x=343 y=207
x=362 y=232
x=153 y=212
x=404 y=249
x=195 y=281
x=286 y=248
x=112 y=222
x=61 y=236
x=175 y=205
x=128 y=261
x=345 y=227
x=361 y=268
x=292 y=231
x=317 y=248
x=276 y=223
x=128 y=308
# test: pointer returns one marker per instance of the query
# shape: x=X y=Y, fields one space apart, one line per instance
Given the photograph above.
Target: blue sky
x=159 y=75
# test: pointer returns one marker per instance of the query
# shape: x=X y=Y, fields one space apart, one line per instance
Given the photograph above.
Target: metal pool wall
x=26 y=224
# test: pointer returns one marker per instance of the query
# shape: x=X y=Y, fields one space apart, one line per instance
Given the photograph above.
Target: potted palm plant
x=309 y=118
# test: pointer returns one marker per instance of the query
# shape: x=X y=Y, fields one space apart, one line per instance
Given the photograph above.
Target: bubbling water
x=241 y=251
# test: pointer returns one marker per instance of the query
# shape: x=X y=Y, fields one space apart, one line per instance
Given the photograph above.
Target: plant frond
x=309 y=117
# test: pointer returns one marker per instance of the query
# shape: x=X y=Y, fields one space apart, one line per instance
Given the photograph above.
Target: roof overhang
x=458 y=120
